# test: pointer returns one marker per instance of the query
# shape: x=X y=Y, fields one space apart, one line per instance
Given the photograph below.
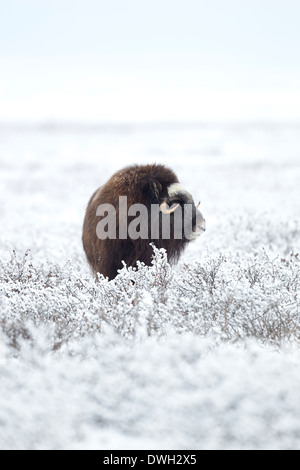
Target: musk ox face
x=179 y=202
x=139 y=205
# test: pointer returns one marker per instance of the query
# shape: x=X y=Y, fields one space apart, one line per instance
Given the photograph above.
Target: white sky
x=138 y=60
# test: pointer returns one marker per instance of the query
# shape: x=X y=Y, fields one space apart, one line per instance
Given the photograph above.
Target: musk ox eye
x=175 y=202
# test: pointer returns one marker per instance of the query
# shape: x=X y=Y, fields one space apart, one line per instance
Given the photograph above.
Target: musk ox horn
x=164 y=208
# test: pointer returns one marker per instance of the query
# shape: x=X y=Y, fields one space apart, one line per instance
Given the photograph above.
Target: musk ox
x=113 y=233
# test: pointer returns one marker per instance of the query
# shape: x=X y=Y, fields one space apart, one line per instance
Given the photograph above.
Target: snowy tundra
x=203 y=355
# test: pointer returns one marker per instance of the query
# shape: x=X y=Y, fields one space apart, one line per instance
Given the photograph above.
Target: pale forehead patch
x=176 y=188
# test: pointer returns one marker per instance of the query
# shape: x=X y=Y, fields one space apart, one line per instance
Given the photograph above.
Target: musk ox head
x=138 y=205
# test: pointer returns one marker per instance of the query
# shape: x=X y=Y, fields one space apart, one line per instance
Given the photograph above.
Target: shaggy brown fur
x=144 y=184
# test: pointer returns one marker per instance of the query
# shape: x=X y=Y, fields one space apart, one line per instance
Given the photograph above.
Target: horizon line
x=93 y=125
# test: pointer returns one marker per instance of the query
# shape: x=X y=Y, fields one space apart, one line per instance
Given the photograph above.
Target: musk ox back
x=138 y=205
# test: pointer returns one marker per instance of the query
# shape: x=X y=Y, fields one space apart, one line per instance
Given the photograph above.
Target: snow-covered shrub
x=233 y=297
x=253 y=296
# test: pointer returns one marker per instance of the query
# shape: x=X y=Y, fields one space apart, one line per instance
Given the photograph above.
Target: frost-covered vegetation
x=204 y=354
x=235 y=298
